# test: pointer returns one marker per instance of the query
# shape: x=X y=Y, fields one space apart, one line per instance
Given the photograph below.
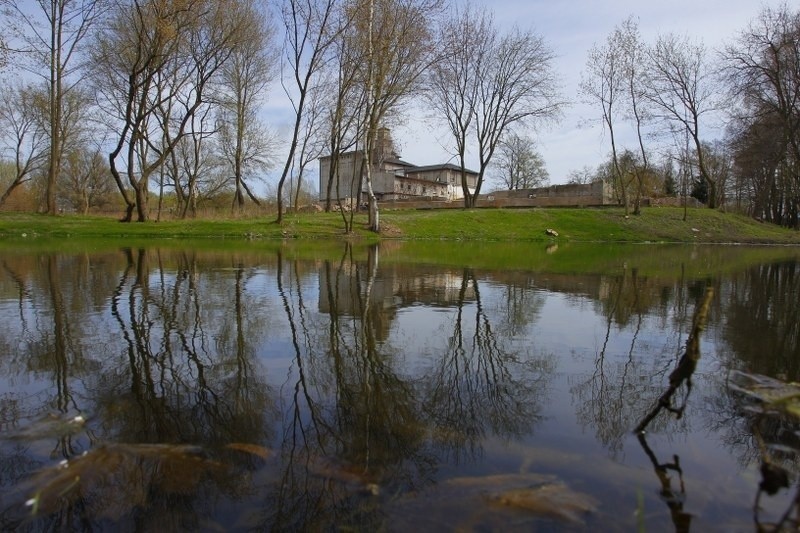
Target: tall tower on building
x=384 y=147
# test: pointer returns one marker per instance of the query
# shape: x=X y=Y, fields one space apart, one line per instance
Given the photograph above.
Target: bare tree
x=468 y=35
x=397 y=37
x=519 y=165
x=245 y=143
x=54 y=45
x=582 y=176
x=246 y=146
x=151 y=53
x=719 y=164
x=190 y=161
x=634 y=56
x=86 y=179
x=21 y=134
x=344 y=121
x=759 y=166
x=488 y=83
x=312 y=141
x=667 y=174
x=682 y=87
x=310 y=30
x=604 y=84
x=345 y=112
x=517 y=87
x=762 y=69
x=5 y=52
x=131 y=54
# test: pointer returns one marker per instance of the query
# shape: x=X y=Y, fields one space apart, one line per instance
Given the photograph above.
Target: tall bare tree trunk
x=54 y=163
x=374 y=216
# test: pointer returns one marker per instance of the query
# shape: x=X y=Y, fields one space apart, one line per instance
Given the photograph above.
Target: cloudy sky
x=572 y=27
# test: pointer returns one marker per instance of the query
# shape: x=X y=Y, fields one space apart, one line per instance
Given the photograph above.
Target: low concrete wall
x=492 y=201
x=571 y=195
x=420 y=204
x=594 y=194
x=597 y=193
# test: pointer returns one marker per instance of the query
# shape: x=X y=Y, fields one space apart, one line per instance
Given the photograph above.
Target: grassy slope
x=589 y=225
x=575 y=225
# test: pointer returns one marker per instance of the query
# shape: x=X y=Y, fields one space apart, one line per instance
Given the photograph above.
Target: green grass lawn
x=571 y=224
x=585 y=225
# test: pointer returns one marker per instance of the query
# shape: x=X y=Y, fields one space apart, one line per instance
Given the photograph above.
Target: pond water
x=395 y=388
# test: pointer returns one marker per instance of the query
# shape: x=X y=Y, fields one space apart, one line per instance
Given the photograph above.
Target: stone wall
x=348 y=172
x=597 y=193
x=572 y=195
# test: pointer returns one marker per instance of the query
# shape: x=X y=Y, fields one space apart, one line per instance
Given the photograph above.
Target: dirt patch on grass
x=391 y=232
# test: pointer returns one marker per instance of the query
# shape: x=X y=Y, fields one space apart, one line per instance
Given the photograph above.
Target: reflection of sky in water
x=596 y=377
x=570 y=328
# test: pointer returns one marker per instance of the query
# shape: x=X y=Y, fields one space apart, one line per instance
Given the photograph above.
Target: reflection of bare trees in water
x=610 y=398
x=48 y=344
x=187 y=382
x=757 y=421
x=779 y=457
x=761 y=336
x=607 y=395
x=479 y=386
x=23 y=299
x=350 y=426
x=762 y=319
x=673 y=495
x=356 y=425
x=173 y=360
x=621 y=392
x=176 y=366
x=169 y=386
x=626 y=374
x=520 y=306
x=680 y=377
x=43 y=344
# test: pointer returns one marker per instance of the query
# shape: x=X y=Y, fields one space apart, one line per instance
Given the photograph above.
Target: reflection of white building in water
x=392 y=178
x=395 y=287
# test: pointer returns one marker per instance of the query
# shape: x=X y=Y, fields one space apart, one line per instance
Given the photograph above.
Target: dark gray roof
x=412 y=168
x=397 y=161
x=445 y=166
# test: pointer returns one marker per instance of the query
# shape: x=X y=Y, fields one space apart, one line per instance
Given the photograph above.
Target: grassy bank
x=572 y=225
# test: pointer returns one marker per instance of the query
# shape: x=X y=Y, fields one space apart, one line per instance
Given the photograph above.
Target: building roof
x=398 y=161
x=392 y=160
x=445 y=166
x=409 y=168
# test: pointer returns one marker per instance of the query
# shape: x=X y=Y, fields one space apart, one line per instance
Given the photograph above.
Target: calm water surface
x=155 y=390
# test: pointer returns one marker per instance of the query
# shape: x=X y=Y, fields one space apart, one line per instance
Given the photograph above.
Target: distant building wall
x=447 y=177
x=383 y=183
x=596 y=193
x=411 y=188
x=345 y=183
x=591 y=195
x=392 y=178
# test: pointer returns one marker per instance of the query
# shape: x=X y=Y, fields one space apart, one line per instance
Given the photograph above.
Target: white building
x=392 y=178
